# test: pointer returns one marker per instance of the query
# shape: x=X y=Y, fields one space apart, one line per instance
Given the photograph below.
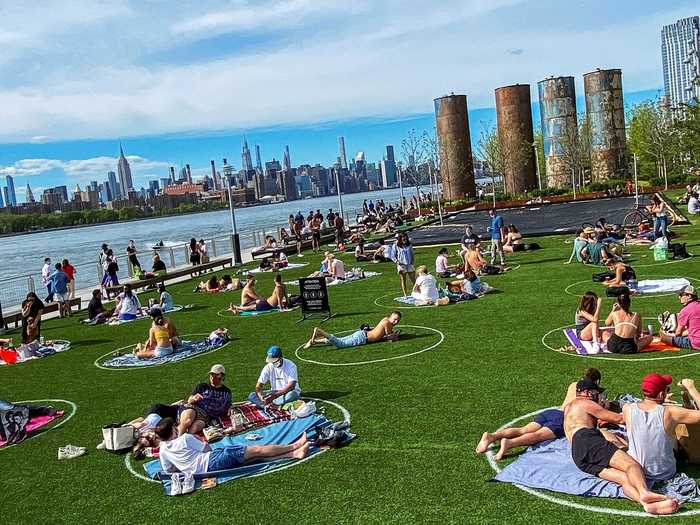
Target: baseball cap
x=587 y=384
x=273 y=354
x=688 y=290
x=653 y=384
x=217 y=369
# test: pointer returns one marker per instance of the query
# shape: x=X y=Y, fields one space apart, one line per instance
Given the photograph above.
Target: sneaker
x=101 y=446
x=175 y=485
x=300 y=255
x=340 y=425
x=70 y=452
x=187 y=484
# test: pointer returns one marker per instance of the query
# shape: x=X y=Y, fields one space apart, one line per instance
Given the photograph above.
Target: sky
x=181 y=82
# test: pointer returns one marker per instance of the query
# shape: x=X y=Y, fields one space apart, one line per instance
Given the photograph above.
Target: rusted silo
x=559 y=128
x=456 y=165
x=605 y=112
x=514 y=115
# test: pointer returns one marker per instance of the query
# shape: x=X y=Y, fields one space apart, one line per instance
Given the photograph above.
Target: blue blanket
x=283 y=433
x=185 y=351
x=549 y=466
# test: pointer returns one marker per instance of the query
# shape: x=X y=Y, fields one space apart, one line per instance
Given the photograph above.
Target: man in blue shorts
x=384 y=331
x=496 y=230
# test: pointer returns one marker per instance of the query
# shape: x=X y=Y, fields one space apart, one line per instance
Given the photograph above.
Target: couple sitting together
x=384 y=331
x=332 y=268
x=214 y=285
x=647 y=451
x=251 y=301
x=275 y=263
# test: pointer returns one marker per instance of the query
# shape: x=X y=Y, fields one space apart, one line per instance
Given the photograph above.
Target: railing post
x=172 y=258
x=213 y=248
x=30 y=284
x=100 y=273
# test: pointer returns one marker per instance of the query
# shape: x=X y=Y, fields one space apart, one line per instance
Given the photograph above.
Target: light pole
x=235 y=239
x=636 y=187
x=433 y=173
x=340 y=197
x=537 y=165
x=573 y=181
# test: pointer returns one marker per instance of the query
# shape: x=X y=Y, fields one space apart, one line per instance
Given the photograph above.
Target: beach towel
x=282 y=433
x=143 y=314
x=349 y=278
x=16 y=356
x=673 y=285
x=246 y=416
x=35 y=424
x=589 y=347
x=549 y=466
x=290 y=266
x=186 y=350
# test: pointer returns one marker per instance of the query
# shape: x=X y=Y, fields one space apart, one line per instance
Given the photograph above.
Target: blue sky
x=181 y=81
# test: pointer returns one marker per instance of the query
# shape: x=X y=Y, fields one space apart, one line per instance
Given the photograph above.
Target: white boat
x=162 y=245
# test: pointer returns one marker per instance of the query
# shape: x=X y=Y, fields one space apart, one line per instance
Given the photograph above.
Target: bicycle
x=640 y=214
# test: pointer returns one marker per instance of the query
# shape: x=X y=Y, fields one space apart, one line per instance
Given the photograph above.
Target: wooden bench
x=176 y=274
x=16 y=317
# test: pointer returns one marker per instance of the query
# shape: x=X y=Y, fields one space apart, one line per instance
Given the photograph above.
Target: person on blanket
x=593 y=454
x=687 y=334
x=162 y=337
x=208 y=401
x=187 y=453
x=651 y=425
x=384 y=331
x=626 y=336
x=283 y=378
x=620 y=278
x=587 y=317
x=278 y=299
x=546 y=425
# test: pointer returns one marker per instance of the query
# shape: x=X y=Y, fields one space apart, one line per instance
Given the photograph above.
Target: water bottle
x=650 y=331
x=41 y=341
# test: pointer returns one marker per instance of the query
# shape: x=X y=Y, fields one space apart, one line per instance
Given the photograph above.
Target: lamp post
x=636 y=187
x=537 y=165
x=340 y=196
x=235 y=239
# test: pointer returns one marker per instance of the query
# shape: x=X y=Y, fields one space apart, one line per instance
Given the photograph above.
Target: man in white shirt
x=189 y=454
x=693 y=204
x=46 y=272
x=282 y=376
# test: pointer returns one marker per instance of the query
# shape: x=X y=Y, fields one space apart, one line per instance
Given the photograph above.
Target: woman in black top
x=32 y=307
x=195 y=257
x=131 y=254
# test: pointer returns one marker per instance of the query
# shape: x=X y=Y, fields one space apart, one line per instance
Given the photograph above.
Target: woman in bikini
x=623 y=278
x=627 y=336
x=587 y=316
x=162 y=338
x=514 y=240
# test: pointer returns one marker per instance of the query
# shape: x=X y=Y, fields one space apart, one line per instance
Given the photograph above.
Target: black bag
x=602 y=277
x=678 y=251
x=491 y=270
x=616 y=291
x=294 y=301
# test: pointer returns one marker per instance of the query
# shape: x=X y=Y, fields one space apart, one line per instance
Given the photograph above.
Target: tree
x=413 y=150
x=489 y=150
x=539 y=158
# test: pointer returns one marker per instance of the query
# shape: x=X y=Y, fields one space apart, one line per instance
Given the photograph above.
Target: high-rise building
x=124 y=171
x=216 y=179
x=104 y=192
x=2 y=201
x=258 y=159
x=11 y=191
x=6 y=195
x=287 y=161
x=680 y=55
x=93 y=185
x=29 y=196
x=173 y=180
x=115 y=190
x=341 y=152
x=387 y=168
x=153 y=185
x=246 y=162
x=188 y=174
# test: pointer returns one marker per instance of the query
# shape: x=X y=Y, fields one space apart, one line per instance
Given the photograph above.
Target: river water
x=24 y=254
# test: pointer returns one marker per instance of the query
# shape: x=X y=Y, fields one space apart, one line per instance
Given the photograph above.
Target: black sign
x=314 y=297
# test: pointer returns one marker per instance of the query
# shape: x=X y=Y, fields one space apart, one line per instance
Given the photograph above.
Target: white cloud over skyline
x=131 y=68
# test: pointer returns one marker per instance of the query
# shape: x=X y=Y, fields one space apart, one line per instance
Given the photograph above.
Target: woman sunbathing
x=514 y=240
x=587 y=316
x=627 y=336
x=210 y=286
x=622 y=278
x=162 y=338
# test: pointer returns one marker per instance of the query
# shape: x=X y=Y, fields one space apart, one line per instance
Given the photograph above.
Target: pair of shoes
x=181 y=484
x=71 y=451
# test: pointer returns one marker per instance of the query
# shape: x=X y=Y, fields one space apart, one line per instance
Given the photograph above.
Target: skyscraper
x=116 y=191
x=387 y=168
x=287 y=161
x=680 y=54
x=258 y=159
x=6 y=194
x=11 y=191
x=246 y=162
x=341 y=152
x=29 y=196
x=124 y=171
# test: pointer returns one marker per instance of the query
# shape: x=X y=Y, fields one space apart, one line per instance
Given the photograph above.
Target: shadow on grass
x=83 y=342
x=327 y=394
x=538 y=261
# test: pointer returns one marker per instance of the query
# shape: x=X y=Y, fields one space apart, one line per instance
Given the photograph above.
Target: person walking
x=69 y=270
x=496 y=230
x=131 y=256
x=46 y=279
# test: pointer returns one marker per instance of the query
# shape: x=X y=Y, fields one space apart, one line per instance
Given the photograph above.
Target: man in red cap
x=597 y=456
x=651 y=425
x=687 y=334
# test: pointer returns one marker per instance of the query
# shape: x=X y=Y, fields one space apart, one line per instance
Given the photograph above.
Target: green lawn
x=417 y=418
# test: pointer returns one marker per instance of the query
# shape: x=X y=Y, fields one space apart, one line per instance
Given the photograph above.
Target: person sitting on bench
x=626 y=338
x=687 y=334
x=283 y=378
x=587 y=317
x=384 y=331
x=158 y=267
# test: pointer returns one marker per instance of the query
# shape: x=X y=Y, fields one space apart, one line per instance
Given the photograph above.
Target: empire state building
x=124 y=171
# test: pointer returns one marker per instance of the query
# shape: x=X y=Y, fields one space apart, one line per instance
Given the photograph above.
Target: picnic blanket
x=290 y=266
x=143 y=314
x=247 y=416
x=36 y=423
x=549 y=466
x=282 y=433
x=589 y=347
x=349 y=278
x=186 y=350
x=672 y=285
x=16 y=356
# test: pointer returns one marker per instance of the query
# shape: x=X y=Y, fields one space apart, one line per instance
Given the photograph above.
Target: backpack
x=678 y=251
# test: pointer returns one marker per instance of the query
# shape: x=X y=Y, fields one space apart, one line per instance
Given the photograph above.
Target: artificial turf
x=418 y=418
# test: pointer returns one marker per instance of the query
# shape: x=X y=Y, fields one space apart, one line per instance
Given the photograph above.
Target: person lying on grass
x=546 y=425
x=186 y=453
x=211 y=285
x=687 y=334
x=651 y=425
x=587 y=317
x=384 y=331
x=283 y=378
x=627 y=337
x=595 y=455
x=145 y=427
x=162 y=338
x=278 y=299
x=208 y=402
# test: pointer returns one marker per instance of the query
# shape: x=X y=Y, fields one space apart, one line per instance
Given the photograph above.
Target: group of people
x=59 y=280
x=252 y=301
x=644 y=452
x=127 y=306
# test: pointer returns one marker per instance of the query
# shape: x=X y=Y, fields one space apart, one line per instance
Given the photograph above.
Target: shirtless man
x=278 y=299
x=315 y=226
x=384 y=331
x=248 y=293
x=547 y=425
x=595 y=455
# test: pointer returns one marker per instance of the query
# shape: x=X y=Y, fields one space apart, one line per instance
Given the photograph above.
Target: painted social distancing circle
x=300 y=350
x=51 y=426
x=609 y=357
x=568 y=289
x=346 y=417
x=111 y=353
x=548 y=496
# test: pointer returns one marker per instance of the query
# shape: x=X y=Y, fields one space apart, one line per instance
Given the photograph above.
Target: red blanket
x=247 y=416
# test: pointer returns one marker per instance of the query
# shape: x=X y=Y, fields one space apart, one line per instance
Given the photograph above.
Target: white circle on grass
x=356 y=363
x=571 y=504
